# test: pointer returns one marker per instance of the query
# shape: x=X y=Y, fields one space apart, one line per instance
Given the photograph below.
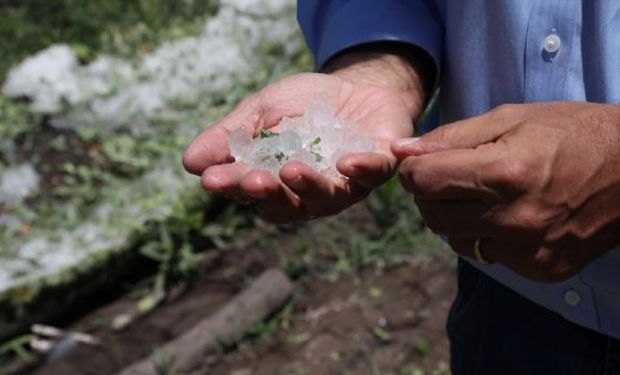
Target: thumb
x=464 y=134
x=211 y=147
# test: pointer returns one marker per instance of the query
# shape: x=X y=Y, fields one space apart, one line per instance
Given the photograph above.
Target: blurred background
x=109 y=250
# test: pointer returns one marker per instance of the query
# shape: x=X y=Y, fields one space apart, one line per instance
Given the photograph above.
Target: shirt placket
x=551 y=36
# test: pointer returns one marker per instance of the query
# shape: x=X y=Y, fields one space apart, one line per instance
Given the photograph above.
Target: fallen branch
x=229 y=324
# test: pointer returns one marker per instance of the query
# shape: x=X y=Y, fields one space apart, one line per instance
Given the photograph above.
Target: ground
x=384 y=318
x=385 y=322
x=372 y=286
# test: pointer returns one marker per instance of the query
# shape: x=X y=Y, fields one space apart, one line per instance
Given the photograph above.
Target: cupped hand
x=300 y=192
x=537 y=184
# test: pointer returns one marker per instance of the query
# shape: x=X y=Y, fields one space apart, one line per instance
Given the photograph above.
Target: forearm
x=396 y=66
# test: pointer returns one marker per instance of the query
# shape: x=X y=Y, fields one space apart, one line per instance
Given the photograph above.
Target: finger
x=273 y=200
x=211 y=146
x=260 y=185
x=465 y=246
x=464 y=134
x=405 y=147
x=224 y=178
x=321 y=195
x=368 y=169
x=521 y=256
x=528 y=257
x=458 y=218
x=454 y=174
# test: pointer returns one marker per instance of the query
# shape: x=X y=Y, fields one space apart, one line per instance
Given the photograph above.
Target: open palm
x=302 y=193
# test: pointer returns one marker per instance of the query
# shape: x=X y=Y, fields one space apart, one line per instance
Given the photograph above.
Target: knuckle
x=417 y=179
x=557 y=265
x=544 y=258
x=544 y=265
x=443 y=134
x=524 y=219
x=511 y=173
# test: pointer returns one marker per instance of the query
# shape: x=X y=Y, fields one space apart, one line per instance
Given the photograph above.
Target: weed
x=262 y=332
x=422 y=347
x=381 y=334
x=16 y=348
x=164 y=364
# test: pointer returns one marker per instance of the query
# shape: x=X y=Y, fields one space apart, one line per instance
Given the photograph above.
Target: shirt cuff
x=345 y=24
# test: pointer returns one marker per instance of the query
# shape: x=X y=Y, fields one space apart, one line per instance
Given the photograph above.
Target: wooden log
x=229 y=324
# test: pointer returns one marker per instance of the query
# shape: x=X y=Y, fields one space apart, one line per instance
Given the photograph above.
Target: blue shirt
x=492 y=52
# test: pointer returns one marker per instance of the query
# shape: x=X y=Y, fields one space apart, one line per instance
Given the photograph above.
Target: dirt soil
x=380 y=321
x=383 y=322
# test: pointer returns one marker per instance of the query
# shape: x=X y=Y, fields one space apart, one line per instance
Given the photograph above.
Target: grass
x=123 y=28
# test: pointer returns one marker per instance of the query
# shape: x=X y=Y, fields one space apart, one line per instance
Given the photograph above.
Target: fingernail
x=348 y=167
x=406 y=142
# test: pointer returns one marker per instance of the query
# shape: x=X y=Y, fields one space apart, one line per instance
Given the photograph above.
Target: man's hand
x=381 y=92
x=538 y=184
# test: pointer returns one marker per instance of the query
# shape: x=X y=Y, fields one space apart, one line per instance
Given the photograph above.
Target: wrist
x=398 y=67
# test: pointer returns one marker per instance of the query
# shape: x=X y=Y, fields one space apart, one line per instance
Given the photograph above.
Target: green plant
x=381 y=334
x=422 y=347
x=164 y=365
x=120 y=27
x=262 y=332
x=17 y=347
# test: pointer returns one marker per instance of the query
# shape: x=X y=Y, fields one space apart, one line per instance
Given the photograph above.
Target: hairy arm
x=401 y=67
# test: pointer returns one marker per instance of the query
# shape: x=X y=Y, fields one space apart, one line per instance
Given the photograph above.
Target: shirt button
x=572 y=298
x=552 y=43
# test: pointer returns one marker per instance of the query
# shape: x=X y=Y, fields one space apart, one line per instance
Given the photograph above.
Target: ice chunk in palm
x=318 y=139
x=240 y=143
x=289 y=141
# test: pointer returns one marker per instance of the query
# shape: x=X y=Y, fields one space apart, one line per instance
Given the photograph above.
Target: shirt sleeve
x=331 y=26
